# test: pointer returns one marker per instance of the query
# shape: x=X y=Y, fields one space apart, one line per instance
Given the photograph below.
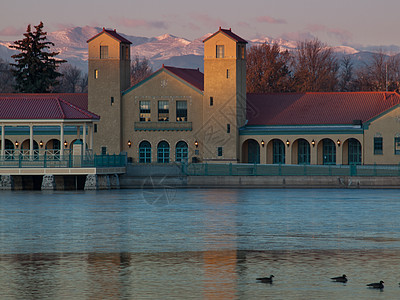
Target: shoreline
x=267 y=182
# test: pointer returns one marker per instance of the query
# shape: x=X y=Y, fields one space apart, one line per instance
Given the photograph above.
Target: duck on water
x=342 y=278
x=266 y=279
x=376 y=285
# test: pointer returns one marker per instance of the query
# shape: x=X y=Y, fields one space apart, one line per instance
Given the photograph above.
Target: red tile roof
x=317 y=108
x=228 y=33
x=191 y=76
x=112 y=33
x=43 y=107
x=78 y=99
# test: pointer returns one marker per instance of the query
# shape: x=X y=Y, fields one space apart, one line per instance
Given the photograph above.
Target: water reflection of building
x=220 y=242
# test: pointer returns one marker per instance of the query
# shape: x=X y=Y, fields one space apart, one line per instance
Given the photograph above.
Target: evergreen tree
x=35 y=69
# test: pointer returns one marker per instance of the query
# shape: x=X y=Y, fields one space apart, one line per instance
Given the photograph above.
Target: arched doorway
x=303 y=152
x=181 y=151
x=163 y=152
x=354 y=152
x=278 y=152
x=251 y=152
x=9 y=149
x=328 y=152
x=25 y=149
x=53 y=147
x=145 y=152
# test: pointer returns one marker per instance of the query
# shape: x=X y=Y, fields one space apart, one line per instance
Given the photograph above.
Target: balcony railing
x=22 y=158
x=163 y=126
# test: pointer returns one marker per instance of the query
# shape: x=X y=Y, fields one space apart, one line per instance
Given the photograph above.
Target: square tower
x=224 y=102
x=109 y=75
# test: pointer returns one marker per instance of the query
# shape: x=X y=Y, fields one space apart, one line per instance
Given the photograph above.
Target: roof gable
x=317 y=108
x=229 y=34
x=113 y=34
x=191 y=77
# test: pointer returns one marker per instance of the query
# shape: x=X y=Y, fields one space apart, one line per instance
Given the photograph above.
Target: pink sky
x=356 y=22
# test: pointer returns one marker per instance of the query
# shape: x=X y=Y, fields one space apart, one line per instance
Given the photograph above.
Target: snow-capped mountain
x=165 y=49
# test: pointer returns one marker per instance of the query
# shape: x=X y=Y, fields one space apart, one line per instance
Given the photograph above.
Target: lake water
x=199 y=244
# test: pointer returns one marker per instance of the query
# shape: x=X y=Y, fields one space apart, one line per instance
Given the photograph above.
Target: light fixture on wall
x=338 y=142
x=129 y=143
x=16 y=144
x=65 y=143
x=41 y=144
x=196 y=143
x=287 y=143
x=262 y=143
x=313 y=143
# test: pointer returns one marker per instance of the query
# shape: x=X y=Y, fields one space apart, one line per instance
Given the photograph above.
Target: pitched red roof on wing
x=112 y=33
x=191 y=76
x=78 y=99
x=41 y=107
x=230 y=34
x=317 y=108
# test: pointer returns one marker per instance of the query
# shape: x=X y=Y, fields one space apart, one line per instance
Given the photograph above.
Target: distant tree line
x=313 y=67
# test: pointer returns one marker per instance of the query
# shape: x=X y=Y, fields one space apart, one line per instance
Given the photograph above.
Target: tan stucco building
x=180 y=114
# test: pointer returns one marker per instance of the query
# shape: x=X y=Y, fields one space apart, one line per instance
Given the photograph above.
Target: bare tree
x=72 y=76
x=267 y=69
x=315 y=67
x=140 y=69
x=346 y=75
x=382 y=74
x=83 y=84
x=6 y=78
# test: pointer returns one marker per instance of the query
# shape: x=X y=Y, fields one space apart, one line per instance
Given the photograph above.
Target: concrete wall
x=259 y=182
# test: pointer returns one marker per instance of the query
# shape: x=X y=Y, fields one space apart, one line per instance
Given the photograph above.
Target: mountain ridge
x=164 y=49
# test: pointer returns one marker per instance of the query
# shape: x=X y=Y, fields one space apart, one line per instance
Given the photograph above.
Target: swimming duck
x=266 y=279
x=342 y=278
x=376 y=285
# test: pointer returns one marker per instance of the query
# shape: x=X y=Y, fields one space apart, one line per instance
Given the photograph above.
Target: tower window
x=145 y=111
x=227 y=73
x=220 y=51
x=96 y=74
x=181 y=111
x=228 y=128
x=112 y=100
x=163 y=111
x=241 y=51
x=103 y=52
x=125 y=52
x=211 y=101
x=95 y=128
x=219 y=151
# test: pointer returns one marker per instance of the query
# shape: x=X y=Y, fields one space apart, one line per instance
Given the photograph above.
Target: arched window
x=278 y=152
x=303 y=152
x=328 y=152
x=144 y=152
x=163 y=152
x=181 y=151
